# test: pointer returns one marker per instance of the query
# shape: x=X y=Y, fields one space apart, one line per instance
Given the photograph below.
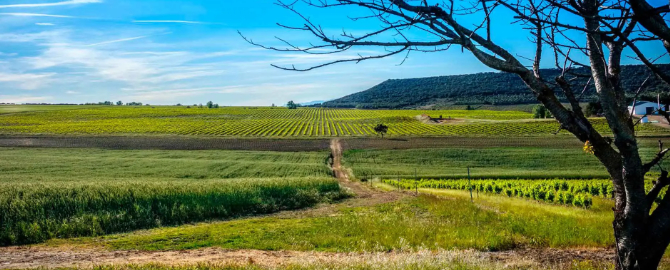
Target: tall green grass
x=32 y=213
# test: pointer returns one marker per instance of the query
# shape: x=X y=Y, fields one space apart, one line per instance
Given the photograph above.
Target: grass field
x=88 y=177
x=526 y=162
x=60 y=193
x=275 y=122
x=426 y=222
x=39 y=165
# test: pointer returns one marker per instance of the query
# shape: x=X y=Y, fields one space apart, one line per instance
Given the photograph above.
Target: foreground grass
x=32 y=213
x=443 y=260
x=425 y=222
x=61 y=193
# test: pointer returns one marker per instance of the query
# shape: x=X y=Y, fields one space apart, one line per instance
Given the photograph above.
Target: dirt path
x=365 y=195
x=26 y=258
x=336 y=153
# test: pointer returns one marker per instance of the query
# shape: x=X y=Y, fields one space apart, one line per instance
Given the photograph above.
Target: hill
x=482 y=88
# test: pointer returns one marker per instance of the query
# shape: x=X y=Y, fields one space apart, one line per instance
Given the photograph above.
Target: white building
x=646 y=108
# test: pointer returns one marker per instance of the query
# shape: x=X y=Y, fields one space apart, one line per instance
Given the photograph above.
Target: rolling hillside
x=481 y=88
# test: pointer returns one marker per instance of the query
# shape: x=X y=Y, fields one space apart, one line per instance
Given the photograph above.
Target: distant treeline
x=487 y=88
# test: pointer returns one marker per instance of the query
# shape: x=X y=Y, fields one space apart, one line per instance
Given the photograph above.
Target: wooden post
x=416 y=182
x=398 y=181
x=470 y=186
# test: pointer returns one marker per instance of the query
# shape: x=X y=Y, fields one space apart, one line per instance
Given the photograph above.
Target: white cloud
x=116 y=64
x=62 y=3
x=71 y=92
x=49 y=36
x=27 y=81
x=23 y=99
x=168 y=21
x=35 y=15
x=45 y=24
x=115 y=41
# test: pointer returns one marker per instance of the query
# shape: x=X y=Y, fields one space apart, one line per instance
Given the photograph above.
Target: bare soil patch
x=41 y=257
x=660 y=121
x=426 y=119
x=165 y=143
x=553 y=256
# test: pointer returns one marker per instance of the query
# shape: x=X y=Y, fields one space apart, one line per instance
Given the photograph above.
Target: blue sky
x=168 y=52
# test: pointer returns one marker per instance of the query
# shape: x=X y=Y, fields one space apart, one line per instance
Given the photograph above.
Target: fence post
x=398 y=181
x=416 y=182
x=470 y=186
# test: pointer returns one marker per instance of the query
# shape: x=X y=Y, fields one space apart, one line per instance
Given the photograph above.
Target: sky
x=190 y=52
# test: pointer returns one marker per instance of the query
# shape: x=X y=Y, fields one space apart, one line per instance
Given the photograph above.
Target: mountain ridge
x=492 y=88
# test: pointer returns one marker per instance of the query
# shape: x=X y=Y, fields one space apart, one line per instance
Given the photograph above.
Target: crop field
x=277 y=122
x=565 y=160
x=484 y=163
x=89 y=179
x=559 y=191
x=61 y=193
x=567 y=192
x=39 y=165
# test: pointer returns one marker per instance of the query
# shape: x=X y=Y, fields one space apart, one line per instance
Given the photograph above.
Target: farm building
x=646 y=108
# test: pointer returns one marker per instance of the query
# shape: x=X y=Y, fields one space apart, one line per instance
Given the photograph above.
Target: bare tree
x=575 y=33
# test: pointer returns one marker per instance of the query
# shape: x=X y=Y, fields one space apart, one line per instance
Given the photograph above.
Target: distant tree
x=210 y=104
x=381 y=129
x=292 y=105
x=215 y=106
x=468 y=108
x=119 y=103
x=200 y=105
x=178 y=104
x=539 y=111
x=594 y=109
x=547 y=114
x=273 y=105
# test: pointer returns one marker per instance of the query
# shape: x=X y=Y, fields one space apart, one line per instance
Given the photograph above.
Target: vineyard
x=277 y=122
x=565 y=192
x=573 y=192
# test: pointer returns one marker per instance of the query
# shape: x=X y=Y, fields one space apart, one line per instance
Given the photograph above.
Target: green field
x=274 y=122
x=532 y=190
x=485 y=162
x=414 y=223
x=60 y=193
x=39 y=165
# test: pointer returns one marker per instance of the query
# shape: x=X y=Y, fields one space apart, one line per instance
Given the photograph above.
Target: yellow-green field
x=273 y=122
